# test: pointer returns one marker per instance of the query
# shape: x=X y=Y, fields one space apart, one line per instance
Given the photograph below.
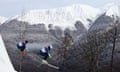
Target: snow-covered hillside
x=2 y=19
x=112 y=9
x=63 y=17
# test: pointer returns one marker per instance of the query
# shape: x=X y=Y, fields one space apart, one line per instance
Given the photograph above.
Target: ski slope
x=5 y=63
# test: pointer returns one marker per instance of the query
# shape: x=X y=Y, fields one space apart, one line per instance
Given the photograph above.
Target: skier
x=45 y=52
x=21 y=45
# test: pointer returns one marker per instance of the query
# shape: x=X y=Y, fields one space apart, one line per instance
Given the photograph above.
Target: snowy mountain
x=2 y=19
x=112 y=9
x=66 y=17
x=63 y=17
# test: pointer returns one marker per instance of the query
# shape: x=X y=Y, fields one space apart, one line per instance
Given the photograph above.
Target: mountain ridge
x=65 y=17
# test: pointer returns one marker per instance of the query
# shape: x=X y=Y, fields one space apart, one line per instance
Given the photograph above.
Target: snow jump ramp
x=5 y=63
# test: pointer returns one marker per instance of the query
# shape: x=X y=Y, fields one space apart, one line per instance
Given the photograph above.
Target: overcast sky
x=9 y=8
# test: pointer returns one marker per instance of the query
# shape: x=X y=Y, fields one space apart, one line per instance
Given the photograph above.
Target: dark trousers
x=22 y=49
x=45 y=55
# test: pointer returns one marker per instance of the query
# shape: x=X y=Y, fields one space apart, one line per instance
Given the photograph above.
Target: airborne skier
x=45 y=52
x=21 y=45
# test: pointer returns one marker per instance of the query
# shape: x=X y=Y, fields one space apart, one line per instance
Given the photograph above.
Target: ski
x=50 y=65
x=38 y=59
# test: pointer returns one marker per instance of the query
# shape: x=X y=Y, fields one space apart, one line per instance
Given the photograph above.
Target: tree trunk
x=113 y=49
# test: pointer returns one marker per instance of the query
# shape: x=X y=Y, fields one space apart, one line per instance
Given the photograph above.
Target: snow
x=2 y=19
x=5 y=63
x=64 y=17
x=112 y=9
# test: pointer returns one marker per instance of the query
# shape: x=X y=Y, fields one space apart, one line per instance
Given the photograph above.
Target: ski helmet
x=50 y=47
x=26 y=41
